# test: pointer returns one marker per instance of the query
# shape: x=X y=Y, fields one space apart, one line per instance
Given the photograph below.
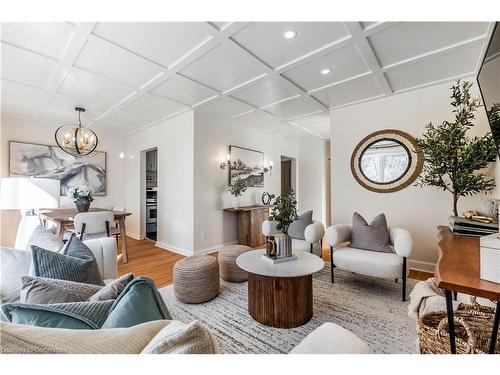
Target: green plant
x=284 y=211
x=453 y=161
x=80 y=192
x=238 y=187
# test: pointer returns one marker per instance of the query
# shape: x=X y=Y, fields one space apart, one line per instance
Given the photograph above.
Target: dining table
x=63 y=219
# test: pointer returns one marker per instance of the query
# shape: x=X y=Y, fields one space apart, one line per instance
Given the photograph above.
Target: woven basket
x=473 y=327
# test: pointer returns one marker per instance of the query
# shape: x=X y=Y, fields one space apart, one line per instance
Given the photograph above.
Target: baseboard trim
x=421 y=266
x=214 y=249
x=174 y=249
x=135 y=236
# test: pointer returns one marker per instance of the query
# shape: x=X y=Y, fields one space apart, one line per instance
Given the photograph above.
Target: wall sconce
x=269 y=169
x=227 y=163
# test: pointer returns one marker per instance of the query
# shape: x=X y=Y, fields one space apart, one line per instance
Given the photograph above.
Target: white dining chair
x=92 y=225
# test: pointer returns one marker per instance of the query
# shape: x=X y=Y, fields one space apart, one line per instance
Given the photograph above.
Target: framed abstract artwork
x=247 y=165
x=36 y=160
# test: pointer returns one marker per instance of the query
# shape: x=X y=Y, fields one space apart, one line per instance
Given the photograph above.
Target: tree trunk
x=455 y=201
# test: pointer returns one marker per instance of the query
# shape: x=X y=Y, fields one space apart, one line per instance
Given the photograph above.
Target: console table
x=250 y=219
x=457 y=270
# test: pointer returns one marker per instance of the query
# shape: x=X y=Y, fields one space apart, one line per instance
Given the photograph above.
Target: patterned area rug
x=370 y=308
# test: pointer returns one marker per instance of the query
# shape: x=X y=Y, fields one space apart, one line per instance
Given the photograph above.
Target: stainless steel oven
x=151 y=213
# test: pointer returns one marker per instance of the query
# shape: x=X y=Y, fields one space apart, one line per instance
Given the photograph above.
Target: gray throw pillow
x=113 y=289
x=298 y=227
x=37 y=290
x=373 y=237
x=77 y=263
x=44 y=238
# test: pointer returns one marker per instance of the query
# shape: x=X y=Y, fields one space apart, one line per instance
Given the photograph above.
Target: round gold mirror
x=386 y=161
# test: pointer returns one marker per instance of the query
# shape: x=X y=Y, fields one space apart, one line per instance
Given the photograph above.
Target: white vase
x=236 y=202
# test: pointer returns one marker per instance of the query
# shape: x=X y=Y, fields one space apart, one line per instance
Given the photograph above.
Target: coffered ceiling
x=133 y=75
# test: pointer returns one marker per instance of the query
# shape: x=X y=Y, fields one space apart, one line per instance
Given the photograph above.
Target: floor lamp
x=26 y=195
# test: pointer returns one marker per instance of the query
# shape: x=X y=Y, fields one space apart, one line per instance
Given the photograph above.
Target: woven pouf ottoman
x=196 y=279
x=229 y=270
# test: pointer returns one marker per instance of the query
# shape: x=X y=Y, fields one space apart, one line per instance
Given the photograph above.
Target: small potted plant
x=236 y=189
x=82 y=196
x=284 y=211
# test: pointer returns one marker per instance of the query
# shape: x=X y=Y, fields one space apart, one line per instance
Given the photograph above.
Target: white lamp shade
x=19 y=193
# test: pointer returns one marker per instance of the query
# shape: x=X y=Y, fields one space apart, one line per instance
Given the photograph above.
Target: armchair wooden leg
x=83 y=231
x=332 y=266
x=404 y=279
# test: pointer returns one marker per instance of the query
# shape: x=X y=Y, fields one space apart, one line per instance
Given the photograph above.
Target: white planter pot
x=236 y=202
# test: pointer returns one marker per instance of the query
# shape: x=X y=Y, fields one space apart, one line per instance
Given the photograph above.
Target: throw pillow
x=23 y=339
x=138 y=303
x=72 y=315
x=113 y=289
x=373 y=237
x=36 y=290
x=15 y=264
x=180 y=338
x=44 y=238
x=298 y=227
x=77 y=263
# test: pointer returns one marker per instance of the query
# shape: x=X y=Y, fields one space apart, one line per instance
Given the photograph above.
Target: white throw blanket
x=427 y=297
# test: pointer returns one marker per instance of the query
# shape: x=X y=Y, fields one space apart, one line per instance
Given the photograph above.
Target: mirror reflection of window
x=385 y=161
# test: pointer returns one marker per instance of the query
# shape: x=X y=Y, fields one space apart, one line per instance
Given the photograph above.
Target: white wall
x=13 y=129
x=420 y=210
x=314 y=178
x=174 y=140
x=212 y=139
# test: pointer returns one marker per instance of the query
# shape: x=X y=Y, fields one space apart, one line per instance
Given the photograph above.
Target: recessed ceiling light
x=290 y=34
x=325 y=71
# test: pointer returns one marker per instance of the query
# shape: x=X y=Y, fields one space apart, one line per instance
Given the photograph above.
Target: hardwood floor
x=145 y=259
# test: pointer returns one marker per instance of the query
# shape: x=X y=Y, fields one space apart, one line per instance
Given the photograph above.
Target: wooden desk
x=250 y=219
x=63 y=218
x=457 y=270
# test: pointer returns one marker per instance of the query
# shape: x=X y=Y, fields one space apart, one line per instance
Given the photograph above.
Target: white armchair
x=313 y=236
x=366 y=262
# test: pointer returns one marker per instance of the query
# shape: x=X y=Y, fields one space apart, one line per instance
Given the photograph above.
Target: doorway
x=151 y=196
x=288 y=174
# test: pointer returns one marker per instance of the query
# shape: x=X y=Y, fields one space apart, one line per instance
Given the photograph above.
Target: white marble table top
x=305 y=264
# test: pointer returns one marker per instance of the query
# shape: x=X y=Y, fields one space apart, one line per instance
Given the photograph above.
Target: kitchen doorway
x=288 y=174
x=151 y=168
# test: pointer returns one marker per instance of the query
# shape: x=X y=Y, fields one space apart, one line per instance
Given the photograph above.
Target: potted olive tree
x=453 y=160
x=236 y=189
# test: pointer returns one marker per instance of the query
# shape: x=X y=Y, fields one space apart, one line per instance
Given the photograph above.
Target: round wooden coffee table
x=280 y=295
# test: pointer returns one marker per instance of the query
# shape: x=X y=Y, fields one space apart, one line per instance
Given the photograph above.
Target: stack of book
x=466 y=227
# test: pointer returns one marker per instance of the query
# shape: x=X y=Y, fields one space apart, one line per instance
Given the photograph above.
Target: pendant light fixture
x=76 y=140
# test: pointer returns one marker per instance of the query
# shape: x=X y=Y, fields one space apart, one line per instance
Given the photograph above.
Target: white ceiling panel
x=28 y=95
x=82 y=84
x=321 y=128
x=294 y=108
x=409 y=39
x=317 y=117
x=155 y=106
x=343 y=63
x=450 y=65
x=220 y=25
x=253 y=119
x=49 y=39
x=349 y=92
x=266 y=92
x=112 y=127
x=26 y=67
x=104 y=58
x=131 y=119
x=294 y=133
x=226 y=107
x=274 y=126
x=161 y=42
x=183 y=90
x=266 y=40
x=368 y=24
x=17 y=109
x=66 y=105
x=223 y=68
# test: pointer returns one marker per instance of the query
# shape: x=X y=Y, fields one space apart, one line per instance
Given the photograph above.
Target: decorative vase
x=236 y=202
x=284 y=245
x=82 y=204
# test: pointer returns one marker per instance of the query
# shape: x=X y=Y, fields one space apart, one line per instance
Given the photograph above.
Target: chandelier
x=76 y=140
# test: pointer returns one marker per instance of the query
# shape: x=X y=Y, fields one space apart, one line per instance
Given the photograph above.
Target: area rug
x=371 y=308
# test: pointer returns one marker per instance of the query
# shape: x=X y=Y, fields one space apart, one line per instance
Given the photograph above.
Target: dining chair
x=91 y=225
